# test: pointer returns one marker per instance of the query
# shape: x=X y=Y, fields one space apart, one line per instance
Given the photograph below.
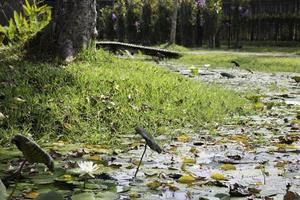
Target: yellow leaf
x=68 y=126
x=258 y=183
x=95 y=158
x=31 y=195
x=240 y=138
x=188 y=161
x=186 y=179
x=135 y=161
x=218 y=176
x=172 y=187
x=19 y=100
x=227 y=167
x=258 y=106
x=103 y=151
x=59 y=143
x=135 y=195
x=173 y=149
x=194 y=150
x=262 y=167
x=292 y=147
x=153 y=185
x=68 y=177
x=280 y=164
x=2 y=116
x=183 y=138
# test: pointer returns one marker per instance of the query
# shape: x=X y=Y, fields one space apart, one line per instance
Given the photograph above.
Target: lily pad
x=84 y=196
x=50 y=196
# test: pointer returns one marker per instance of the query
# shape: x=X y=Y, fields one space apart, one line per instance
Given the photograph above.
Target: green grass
x=253 y=49
x=258 y=47
x=256 y=63
x=99 y=97
x=173 y=47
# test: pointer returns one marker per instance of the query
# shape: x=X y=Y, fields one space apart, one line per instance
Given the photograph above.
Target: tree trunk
x=72 y=29
x=174 y=22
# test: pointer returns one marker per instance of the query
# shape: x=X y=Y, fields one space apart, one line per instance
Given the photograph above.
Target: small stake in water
x=149 y=142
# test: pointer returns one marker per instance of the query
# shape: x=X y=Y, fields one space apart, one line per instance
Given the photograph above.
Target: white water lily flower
x=88 y=168
x=206 y=65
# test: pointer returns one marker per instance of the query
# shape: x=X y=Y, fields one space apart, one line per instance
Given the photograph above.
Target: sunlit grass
x=99 y=97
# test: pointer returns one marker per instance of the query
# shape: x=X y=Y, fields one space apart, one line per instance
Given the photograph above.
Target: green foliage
x=100 y=97
x=23 y=26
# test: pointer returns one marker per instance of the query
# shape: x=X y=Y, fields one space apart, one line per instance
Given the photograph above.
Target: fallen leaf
x=218 y=176
x=67 y=126
x=154 y=185
x=18 y=100
x=186 y=179
x=183 y=138
x=188 y=160
x=172 y=187
x=259 y=183
x=31 y=195
x=2 y=116
x=95 y=158
x=240 y=138
x=227 y=167
x=291 y=196
x=135 y=195
x=194 y=150
x=68 y=177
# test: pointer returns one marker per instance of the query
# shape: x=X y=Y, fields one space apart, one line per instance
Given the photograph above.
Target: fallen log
x=114 y=46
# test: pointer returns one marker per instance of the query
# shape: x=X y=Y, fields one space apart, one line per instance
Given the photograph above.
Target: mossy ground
x=99 y=97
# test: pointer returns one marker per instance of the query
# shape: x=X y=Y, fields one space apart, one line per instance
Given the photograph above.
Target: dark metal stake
x=18 y=179
x=137 y=170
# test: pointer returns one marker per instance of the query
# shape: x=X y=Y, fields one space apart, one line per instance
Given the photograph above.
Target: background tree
x=121 y=29
x=174 y=22
x=162 y=21
x=146 y=22
x=239 y=11
x=186 y=22
x=212 y=20
x=132 y=22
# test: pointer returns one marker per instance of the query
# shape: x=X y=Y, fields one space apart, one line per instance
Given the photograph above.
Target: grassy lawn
x=256 y=63
x=99 y=97
x=252 y=48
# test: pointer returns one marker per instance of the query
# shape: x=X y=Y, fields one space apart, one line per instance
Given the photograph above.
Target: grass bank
x=99 y=97
x=253 y=62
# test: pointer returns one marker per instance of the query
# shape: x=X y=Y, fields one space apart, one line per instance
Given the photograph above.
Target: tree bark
x=174 y=22
x=72 y=29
